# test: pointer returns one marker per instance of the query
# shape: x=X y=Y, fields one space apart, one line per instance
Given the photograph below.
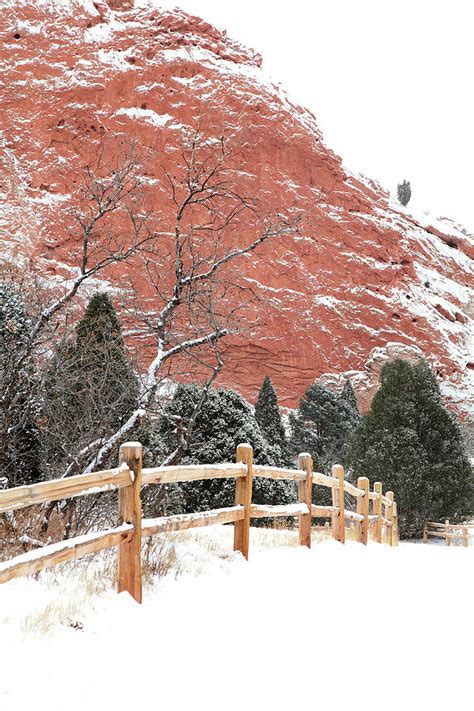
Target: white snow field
x=334 y=627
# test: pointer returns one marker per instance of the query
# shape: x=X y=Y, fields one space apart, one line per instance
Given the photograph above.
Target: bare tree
x=112 y=188
x=195 y=299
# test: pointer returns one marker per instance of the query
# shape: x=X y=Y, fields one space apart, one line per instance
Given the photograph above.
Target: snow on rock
x=364 y=272
x=366 y=381
x=335 y=626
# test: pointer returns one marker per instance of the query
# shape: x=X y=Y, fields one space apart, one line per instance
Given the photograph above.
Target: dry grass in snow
x=336 y=626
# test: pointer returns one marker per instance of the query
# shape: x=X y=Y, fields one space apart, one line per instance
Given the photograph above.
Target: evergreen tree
x=224 y=421
x=404 y=192
x=322 y=425
x=91 y=388
x=267 y=414
x=413 y=445
x=349 y=397
x=20 y=452
x=100 y=352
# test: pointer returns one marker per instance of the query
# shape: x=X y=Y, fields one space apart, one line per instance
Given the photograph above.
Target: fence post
x=425 y=533
x=243 y=497
x=395 y=523
x=334 y=516
x=305 y=496
x=378 y=510
x=363 y=509
x=130 y=511
x=390 y=519
x=465 y=536
x=446 y=534
x=338 y=473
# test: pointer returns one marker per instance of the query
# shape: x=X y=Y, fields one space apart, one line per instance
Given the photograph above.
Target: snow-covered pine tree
x=20 y=449
x=224 y=421
x=322 y=426
x=349 y=397
x=351 y=417
x=267 y=414
x=91 y=387
x=101 y=352
x=404 y=192
x=413 y=445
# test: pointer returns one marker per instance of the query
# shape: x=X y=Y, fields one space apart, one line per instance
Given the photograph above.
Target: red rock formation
x=363 y=273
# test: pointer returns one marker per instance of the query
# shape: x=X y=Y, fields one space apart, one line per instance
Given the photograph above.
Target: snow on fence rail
x=451 y=532
x=373 y=509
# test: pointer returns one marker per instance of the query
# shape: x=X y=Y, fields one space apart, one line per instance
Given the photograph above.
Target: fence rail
x=374 y=512
x=451 y=532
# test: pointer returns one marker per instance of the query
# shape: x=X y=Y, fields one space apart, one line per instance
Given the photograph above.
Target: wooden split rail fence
x=374 y=511
x=451 y=532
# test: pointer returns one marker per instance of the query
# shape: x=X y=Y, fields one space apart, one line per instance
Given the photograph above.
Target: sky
x=390 y=83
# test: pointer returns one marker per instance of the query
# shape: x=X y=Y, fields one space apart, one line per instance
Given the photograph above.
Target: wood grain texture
x=378 y=511
x=323 y=511
x=243 y=497
x=353 y=515
x=338 y=473
x=323 y=480
x=182 y=522
x=353 y=490
x=57 y=553
x=56 y=489
x=277 y=473
x=363 y=510
x=267 y=511
x=192 y=472
x=390 y=518
x=305 y=496
x=130 y=511
x=395 y=524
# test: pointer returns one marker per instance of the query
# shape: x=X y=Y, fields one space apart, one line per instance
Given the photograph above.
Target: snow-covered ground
x=339 y=627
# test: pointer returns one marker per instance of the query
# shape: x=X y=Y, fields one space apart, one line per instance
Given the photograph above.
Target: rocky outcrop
x=366 y=381
x=362 y=274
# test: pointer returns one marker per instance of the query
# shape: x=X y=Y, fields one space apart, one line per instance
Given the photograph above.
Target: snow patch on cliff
x=147 y=115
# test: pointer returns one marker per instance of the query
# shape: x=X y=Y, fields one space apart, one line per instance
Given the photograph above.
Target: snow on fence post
x=446 y=534
x=378 y=510
x=130 y=511
x=338 y=473
x=305 y=496
x=363 y=509
x=243 y=497
x=390 y=519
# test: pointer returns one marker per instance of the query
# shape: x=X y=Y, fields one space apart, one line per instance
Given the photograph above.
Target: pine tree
x=350 y=416
x=349 y=397
x=91 y=387
x=413 y=445
x=20 y=449
x=100 y=352
x=322 y=425
x=224 y=421
x=267 y=414
x=404 y=192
